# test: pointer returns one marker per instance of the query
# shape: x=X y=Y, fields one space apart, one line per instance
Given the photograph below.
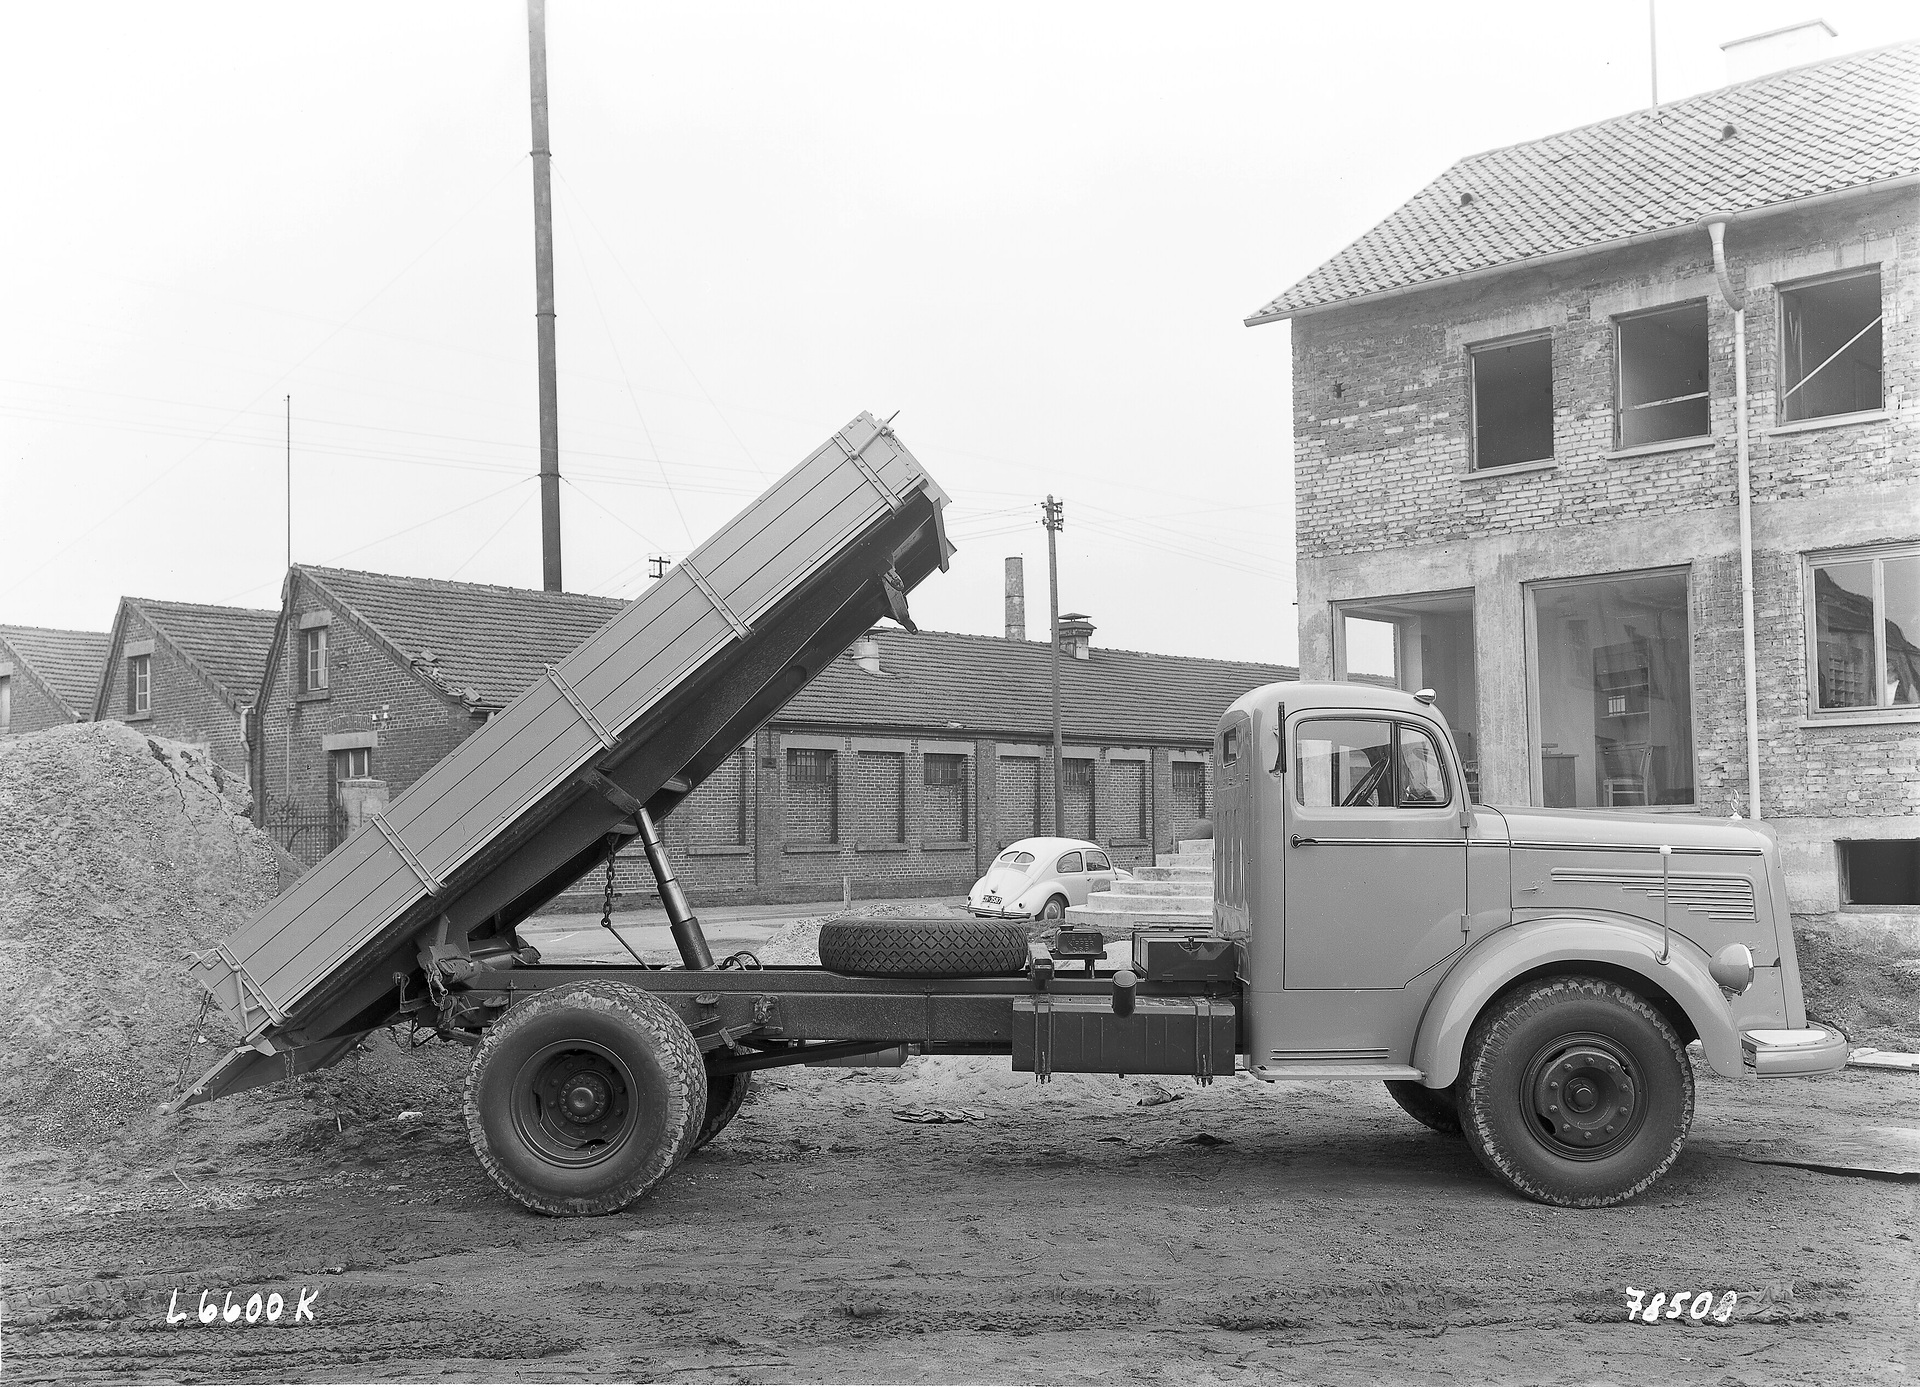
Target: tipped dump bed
x=654 y=701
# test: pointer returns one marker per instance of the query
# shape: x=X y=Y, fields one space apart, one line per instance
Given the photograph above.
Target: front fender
x=1485 y=969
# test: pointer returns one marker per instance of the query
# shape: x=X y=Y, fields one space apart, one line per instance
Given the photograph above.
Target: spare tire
x=941 y=947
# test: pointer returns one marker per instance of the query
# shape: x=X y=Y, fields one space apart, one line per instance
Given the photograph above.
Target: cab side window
x=1069 y=863
x=1366 y=763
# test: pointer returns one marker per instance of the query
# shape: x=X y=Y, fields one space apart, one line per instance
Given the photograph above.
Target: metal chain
x=606 y=904
x=193 y=1038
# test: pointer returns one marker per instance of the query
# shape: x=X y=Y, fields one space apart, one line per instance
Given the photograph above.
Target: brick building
x=1518 y=454
x=47 y=677
x=905 y=766
x=186 y=671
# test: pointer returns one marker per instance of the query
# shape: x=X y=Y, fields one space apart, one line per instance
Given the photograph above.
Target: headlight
x=1732 y=968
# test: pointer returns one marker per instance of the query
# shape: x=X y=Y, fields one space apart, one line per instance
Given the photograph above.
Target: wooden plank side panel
x=539 y=741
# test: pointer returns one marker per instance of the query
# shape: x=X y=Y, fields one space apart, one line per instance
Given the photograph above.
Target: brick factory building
x=1519 y=468
x=905 y=765
x=186 y=671
x=47 y=677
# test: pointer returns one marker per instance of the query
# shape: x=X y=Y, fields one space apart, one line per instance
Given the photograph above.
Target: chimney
x=1778 y=49
x=1076 y=634
x=866 y=653
x=1016 y=598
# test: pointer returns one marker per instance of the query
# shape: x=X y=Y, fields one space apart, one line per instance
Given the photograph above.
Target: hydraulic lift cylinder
x=688 y=937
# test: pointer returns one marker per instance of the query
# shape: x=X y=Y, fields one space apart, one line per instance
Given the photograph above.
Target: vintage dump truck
x=1530 y=978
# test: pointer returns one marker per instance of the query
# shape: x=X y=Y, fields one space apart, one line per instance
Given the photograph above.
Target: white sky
x=1032 y=229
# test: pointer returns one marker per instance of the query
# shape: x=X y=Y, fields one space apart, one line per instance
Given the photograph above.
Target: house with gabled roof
x=1609 y=438
x=185 y=670
x=905 y=765
x=47 y=676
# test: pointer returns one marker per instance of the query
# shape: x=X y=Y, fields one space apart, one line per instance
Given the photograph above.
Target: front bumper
x=1778 y=1054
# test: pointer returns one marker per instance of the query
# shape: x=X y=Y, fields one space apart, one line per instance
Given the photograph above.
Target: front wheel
x=583 y=1097
x=1576 y=1092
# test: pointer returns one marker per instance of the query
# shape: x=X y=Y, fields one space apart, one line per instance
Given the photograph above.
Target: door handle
x=1300 y=842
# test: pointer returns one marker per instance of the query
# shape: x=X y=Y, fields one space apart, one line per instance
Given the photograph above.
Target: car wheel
x=1431 y=1107
x=1576 y=1092
x=583 y=1097
x=1055 y=909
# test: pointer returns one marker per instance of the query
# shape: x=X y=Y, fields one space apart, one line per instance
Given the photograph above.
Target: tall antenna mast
x=543 y=299
x=289 y=481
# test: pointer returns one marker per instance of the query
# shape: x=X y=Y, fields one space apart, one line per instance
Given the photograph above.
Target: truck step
x=1332 y=1069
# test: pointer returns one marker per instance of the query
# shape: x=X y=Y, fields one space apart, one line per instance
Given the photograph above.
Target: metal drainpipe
x=1717 y=229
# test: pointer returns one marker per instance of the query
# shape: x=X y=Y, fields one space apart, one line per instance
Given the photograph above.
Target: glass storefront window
x=1866 y=618
x=1413 y=643
x=1611 y=670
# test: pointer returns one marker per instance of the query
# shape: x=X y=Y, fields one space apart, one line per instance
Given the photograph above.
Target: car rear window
x=1016 y=859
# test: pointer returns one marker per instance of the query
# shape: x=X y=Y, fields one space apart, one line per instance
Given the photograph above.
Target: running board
x=1333 y=1069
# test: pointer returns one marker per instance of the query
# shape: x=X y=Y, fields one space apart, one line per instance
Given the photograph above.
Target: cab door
x=1375 y=854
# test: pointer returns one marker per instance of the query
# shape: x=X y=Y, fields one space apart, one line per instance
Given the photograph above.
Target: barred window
x=809 y=766
x=1079 y=774
x=944 y=769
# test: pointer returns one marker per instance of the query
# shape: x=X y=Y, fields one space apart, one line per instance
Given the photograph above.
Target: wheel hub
x=577 y=1104
x=1585 y=1099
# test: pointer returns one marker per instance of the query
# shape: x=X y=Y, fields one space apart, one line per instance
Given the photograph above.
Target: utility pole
x=657 y=566
x=1653 y=52
x=543 y=299
x=1054 y=517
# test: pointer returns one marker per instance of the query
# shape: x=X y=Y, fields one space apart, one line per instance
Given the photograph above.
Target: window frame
x=139 y=686
x=313 y=641
x=343 y=769
x=1781 y=390
x=1472 y=349
x=1396 y=725
x=1620 y=443
x=1877 y=554
x=6 y=704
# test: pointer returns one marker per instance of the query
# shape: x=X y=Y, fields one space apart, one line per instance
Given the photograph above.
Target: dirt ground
x=1240 y=1233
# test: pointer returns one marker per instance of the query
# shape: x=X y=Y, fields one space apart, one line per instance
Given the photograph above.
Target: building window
x=6 y=704
x=1611 y=668
x=1866 y=617
x=881 y=796
x=1189 y=796
x=139 y=685
x=1886 y=873
x=1512 y=401
x=943 y=809
x=1414 y=643
x=1078 y=797
x=356 y=763
x=313 y=659
x=1830 y=347
x=812 y=811
x=1661 y=388
x=1350 y=763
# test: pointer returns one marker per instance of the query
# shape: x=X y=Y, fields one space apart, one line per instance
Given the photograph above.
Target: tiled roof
x=1831 y=126
x=496 y=639
x=229 y=643
x=492 y=640
x=935 y=679
x=68 y=662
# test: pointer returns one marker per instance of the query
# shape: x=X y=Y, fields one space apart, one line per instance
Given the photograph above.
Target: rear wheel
x=1431 y=1107
x=581 y=1098
x=1576 y=1092
x=1054 y=910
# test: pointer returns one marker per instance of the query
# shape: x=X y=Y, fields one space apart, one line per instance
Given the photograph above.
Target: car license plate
x=991 y=900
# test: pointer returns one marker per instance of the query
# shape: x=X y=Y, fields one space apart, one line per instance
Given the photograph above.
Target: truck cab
x=1387 y=922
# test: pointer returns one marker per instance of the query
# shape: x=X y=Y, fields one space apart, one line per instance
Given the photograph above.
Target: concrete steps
x=1177 y=890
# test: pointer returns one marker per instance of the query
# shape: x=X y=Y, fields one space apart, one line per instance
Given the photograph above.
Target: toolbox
x=1160 y=956
x=1082 y=1034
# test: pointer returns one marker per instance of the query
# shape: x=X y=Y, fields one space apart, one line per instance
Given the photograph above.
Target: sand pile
x=119 y=853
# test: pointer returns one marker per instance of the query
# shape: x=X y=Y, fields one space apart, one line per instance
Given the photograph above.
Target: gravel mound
x=119 y=854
